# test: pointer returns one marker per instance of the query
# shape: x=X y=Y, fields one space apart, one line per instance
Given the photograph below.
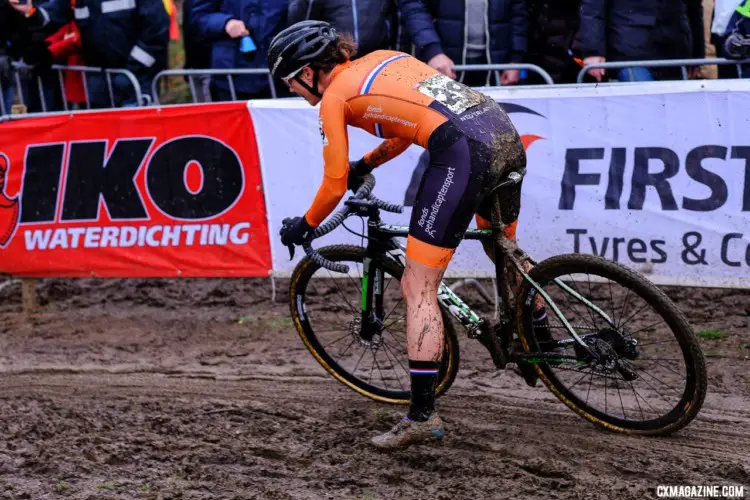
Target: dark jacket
x=264 y=18
x=197 y=50
x=553 y=25
x=621 y=30
x=374 y=24
x=437 y=26
x=129 y=34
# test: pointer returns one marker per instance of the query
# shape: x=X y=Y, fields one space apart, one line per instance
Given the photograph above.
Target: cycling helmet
x=297 y=47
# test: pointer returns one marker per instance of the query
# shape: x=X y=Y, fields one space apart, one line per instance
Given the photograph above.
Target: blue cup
x=247 y=44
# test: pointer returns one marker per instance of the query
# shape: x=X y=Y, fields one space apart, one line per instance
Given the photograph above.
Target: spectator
x=470 y=32
x=708 y=71
x=20 y=38
x=730 y=16
x=197 y=53
x=62 y=47
x=128 y=34
x=226 y=23
x=374 y=24
x=632 y=30
x=11 y=24
x=553 y=25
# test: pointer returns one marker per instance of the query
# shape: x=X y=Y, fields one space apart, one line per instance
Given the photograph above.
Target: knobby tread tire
x=695 y=391
x=351 y=253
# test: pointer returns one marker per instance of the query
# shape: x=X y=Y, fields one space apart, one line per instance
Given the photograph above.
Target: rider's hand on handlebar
x=294 y=231
x=357 y=172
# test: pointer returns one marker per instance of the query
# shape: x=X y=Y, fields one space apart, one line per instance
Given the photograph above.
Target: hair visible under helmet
x=298 y=46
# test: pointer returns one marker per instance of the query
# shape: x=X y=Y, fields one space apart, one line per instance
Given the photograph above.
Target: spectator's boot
x=8 y=206
x=408 y=432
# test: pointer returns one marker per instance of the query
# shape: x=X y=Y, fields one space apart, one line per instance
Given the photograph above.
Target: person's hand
x=597 y=73
x=510 y=77
x=234 y=28
x=357 y=171
x=695 y=72
x=294 y=231
x=444 y=64
x=23 y=9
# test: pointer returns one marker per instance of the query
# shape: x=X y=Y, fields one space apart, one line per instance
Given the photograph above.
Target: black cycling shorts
x=461 y=172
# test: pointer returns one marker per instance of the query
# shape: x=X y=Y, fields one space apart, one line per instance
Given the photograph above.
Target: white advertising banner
x=655 y=176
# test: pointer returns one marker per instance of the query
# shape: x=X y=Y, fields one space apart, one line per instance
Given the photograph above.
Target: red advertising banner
x=164 y=192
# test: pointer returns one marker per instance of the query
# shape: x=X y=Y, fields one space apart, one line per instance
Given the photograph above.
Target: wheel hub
x=610 y=350
x=370 y=335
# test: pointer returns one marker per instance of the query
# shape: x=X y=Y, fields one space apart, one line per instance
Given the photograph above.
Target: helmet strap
x=314 y=89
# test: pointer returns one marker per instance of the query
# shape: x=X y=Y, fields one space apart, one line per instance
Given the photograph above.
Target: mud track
x=200 y=389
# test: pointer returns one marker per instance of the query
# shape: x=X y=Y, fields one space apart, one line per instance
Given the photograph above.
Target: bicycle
x=591 y=345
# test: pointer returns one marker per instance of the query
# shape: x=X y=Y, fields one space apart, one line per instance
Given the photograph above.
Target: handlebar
x=361 y=199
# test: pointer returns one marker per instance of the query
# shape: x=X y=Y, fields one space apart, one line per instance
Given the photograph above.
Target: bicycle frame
x=382 y=241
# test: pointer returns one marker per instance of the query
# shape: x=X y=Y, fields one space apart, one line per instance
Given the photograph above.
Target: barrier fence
x=192 y=74
x=671 y=63
x=27 y=81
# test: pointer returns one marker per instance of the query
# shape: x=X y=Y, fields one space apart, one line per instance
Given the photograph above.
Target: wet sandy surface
x=202 y=389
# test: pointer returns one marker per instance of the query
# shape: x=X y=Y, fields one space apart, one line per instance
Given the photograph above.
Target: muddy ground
x=201 y=389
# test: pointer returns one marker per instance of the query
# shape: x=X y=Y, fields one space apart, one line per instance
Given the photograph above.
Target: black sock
x=423 y=378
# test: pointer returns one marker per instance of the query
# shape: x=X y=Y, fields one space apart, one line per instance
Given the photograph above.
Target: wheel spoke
x=341 y=293
x=662 y=365
x=630 y=334
x=654 y=388
x=624 y=307
x=570 y=300
x=582 y=377
x=611 y=300
x=354 y=371
x=375 y=357
x=385 y=351
x=334 y=341
x=636 y=399
x=622 y=405
x=341 y=355
x=634 y=314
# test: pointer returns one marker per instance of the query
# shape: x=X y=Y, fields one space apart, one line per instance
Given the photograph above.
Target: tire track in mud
x=201 y=389
x=319 y=433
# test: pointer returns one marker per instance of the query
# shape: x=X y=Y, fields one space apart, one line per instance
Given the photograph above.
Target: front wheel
x=325 y=307
x=642 y=371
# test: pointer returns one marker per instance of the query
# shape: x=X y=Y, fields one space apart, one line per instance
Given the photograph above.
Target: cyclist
x=472 y=144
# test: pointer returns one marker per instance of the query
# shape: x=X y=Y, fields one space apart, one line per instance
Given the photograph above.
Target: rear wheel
x=325 y=307
x=647 y=374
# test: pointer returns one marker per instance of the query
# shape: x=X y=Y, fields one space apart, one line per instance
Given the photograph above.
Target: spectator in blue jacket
x=120 y=34
x=197 y=53
x=450 y=32
x=225 y=23
x=632 y=30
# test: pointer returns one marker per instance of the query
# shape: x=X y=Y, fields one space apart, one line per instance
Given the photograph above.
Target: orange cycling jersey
x=386 y=93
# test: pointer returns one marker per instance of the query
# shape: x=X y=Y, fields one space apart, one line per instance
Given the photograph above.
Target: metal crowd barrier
x=501 y=67
x=667 y=63
x=19 y=69
x=231 y=73
x=192 y=73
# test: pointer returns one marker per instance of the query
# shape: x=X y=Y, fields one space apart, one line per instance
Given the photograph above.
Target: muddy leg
x=424 y=334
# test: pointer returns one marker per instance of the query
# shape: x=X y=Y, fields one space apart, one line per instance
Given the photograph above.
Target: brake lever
x=291 y=251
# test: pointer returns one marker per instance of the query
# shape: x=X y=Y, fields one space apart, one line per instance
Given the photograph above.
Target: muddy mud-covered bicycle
x=618 y=352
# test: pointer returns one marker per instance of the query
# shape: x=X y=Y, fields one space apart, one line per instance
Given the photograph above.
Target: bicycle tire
x=696 y=383
x=301 y=276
